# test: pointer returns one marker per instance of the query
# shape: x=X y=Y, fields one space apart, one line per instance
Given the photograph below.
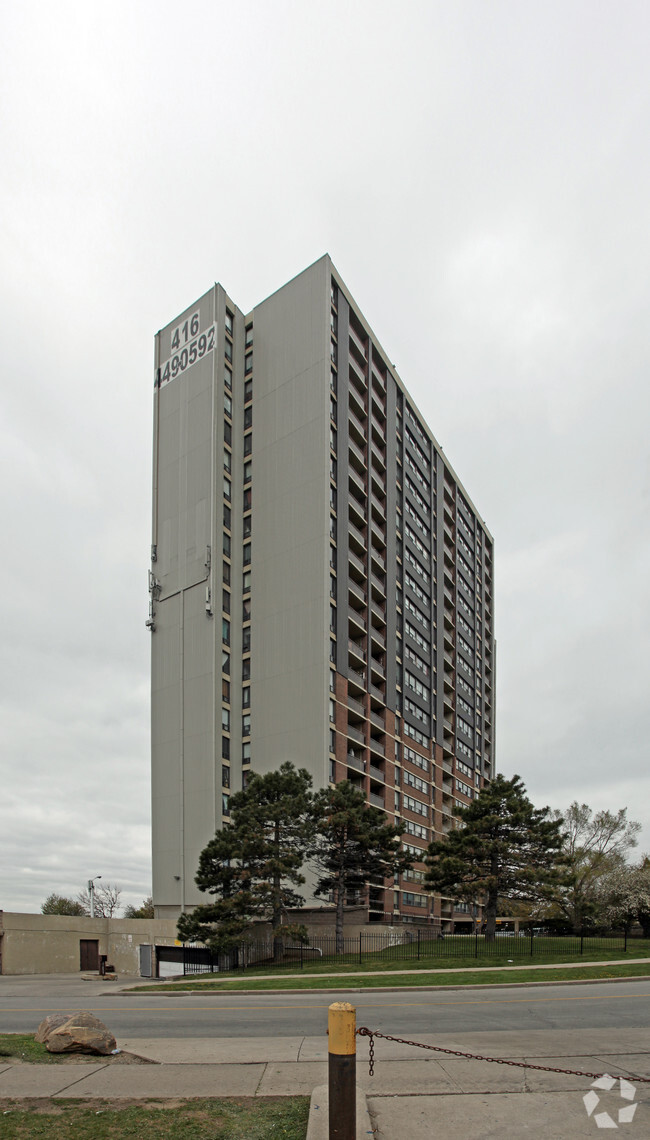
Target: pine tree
x=252 y=866
x=504 y=847
x=353 y=842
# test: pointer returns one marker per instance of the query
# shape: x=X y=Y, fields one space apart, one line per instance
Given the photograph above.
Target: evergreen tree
x=504 y=847
x=353 y=842
x=252 y=866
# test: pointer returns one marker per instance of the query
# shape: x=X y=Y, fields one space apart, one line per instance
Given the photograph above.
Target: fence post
x=342 y=1071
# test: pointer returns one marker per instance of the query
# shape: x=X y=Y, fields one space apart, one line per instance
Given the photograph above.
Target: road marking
x=324 y=1005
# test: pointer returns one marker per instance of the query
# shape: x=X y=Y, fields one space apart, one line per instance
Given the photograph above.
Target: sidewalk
x=411 y=1092
x=361 y=973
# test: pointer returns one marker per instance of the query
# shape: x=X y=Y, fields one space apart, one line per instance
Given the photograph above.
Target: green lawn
x=466 y=977
x=260 y=1118
x=22 y=1047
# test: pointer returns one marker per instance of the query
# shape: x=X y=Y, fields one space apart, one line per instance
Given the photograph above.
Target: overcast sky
x=479 y=173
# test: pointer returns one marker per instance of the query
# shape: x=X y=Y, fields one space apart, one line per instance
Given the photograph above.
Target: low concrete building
x=62 y=944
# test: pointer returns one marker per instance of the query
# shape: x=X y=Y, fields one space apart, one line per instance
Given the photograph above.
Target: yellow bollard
x=342 y=1071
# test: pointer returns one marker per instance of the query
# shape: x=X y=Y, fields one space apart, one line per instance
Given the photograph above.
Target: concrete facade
x=51 y=943
x=321 y=583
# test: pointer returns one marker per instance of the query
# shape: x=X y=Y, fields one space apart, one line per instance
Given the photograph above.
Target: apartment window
x=226 y=545
x=246 y=639
x=246 y=753
x=248 y=526
x=246 y=581
x=227 y=378
x=225 y=601
x=333 y=439
x=227 y=487
x=332 y=772
x=225 y=690
x=333 y=619
x=246 y=697
x=332 y=711
x=227 y=404
x=332 y=681
x=228 y=322
x=228 y=351
x=246 y=669
x=225 y=748
x=227 y=434
x=225 y=662
x=225 y=631
x=246 y=609
x=225 y=776
x=248 y=467
x=247 y=498
x=248 y=391
x=225 y=720
x=227 y=460
x=226 y=573
x=248 y=444
x=227 y=517
x=225 y=803
x=333 y=650
x=246 y=724
x=249 y=336
x=248 y=416
x=247 y=553
x=248 y=363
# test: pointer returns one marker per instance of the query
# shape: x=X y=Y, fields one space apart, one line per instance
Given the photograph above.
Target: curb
x=318 y=1124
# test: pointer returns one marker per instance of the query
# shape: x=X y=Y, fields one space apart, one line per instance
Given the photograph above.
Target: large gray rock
x=49 y=1024
x=81 y=1033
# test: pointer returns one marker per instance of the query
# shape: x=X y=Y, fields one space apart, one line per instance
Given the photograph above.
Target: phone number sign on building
x=188 y=344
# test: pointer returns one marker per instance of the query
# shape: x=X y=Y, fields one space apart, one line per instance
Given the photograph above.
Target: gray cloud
x=480 y=176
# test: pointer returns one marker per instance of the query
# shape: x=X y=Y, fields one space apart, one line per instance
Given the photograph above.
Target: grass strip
x=259 y=1118
x=22 y=1047
x=468 y=977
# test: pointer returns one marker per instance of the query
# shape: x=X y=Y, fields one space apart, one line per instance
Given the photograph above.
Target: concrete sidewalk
x=412 y=1089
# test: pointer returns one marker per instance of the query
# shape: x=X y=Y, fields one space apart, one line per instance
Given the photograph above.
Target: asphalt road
x=599 y=1005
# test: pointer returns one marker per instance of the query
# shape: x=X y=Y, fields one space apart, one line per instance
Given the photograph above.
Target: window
x=226 y=573
x=333 y=619
x=227 y=460
x=414 y=781
x=227 y=487
x=248 y=391
x=332 y=711
x=225 y=803
x=415 y=684
x=228 y=322
x=227 y=517
x=246 y=609
x=225 y=720
x=227 y=434
x=332 y=772
x=415 y=734
x=248 y=416
x=247 y=499
x=246 y=669
x=225 y=747
x=246 y=753
x=416 y=829
x=227 y=378
x=332 y=681
x=332 y=741
x=225 y=776
x=227 y=404
x=225 y=631
x=248 y=363
x=246 y=724
x=247 y=553
x=249 y=336
x=226 y=545
x=225 y=601
x=248 y=526
x=228 y=351
x=246 y=581
x=246 y=639
x=248 y=468
x=225 y=690
x=414 y=757
x=225 y=663
x=246 y=697
x=415 y=806
x=248 y=444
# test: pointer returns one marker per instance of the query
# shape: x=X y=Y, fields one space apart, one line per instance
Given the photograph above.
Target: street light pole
x=91 y=894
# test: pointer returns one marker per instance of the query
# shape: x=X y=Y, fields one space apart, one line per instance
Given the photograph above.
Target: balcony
x=355 y=734
x=379 y=560
x=376 y=773
x=356 y=651
x=357 y=484
x=358 y=344
x=353 y=760
x=377 y=670
x=378 y=586
x=377 y=747
x=378 y=720
x=376 y=801
x=357 y=595
x=355 y=533
x=378 y=614
x=356 y=706
x=357 y=567
x=377 y=693
x=356 y=680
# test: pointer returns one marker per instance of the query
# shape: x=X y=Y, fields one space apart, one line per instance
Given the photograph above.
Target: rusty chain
x=363 y=1031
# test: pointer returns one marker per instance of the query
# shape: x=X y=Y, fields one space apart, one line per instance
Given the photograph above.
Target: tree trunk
x=340 y=899
x=491 y=903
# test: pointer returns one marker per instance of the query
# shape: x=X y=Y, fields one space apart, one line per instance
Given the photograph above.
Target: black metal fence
x=416 y=945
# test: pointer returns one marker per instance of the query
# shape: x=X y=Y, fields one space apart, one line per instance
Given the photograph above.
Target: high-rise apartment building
x=321 y=584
